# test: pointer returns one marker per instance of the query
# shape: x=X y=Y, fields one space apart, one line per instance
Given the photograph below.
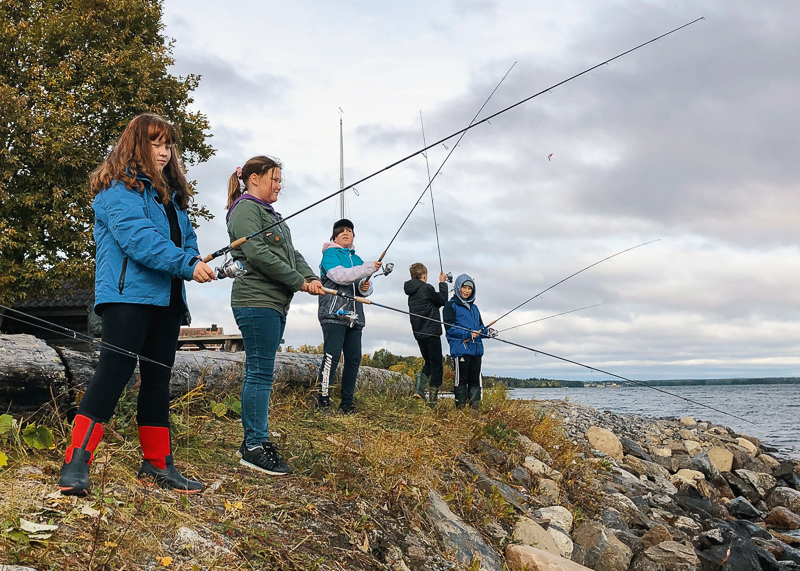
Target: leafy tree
x=73 y=73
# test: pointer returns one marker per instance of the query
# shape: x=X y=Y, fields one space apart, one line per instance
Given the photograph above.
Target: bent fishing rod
x=430 y=180
x=568 y=277
x=487 y=335
x=240 y=241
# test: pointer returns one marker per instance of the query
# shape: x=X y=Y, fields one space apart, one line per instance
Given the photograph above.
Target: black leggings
x=431 y=349
x=150 y=331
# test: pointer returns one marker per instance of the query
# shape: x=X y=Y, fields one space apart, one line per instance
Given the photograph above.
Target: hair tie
x=239 y=172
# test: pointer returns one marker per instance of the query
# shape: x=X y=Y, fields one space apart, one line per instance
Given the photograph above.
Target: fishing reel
x=449 y=277
x=492 y=333
x=349 y=317
x=386 y=269
x=230 y=268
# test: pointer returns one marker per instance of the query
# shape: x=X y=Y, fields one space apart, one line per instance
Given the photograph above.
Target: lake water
x=774 y=410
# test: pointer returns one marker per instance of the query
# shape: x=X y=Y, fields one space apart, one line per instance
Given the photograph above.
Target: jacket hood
x=412 y=285
x=459 y=282
x=327 y=245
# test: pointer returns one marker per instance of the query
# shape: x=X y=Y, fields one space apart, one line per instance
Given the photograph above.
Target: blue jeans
x=262 y=329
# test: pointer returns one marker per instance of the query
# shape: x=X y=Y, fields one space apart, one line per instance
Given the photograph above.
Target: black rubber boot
x=169 y=478
x=461 y=396
x=434 y=395
x=74 y=479
x=475 y=397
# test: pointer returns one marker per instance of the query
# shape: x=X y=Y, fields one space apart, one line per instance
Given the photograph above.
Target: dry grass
x=359 y=486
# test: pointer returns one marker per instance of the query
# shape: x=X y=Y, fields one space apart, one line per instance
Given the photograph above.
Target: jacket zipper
x=121 y=284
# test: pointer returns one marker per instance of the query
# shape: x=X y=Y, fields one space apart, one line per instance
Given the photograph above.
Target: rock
x=688 y=421
x=768 y=461
x=687 y=525
x=548 y=491
x=657 y=534
x=528 y=532
x=692 y=447
x=673 y=556
x=741 y=456
x=665 y=485
x=605 y=441
x=630 y=539
x=416 y=551
x=498 y=457
x=741 y=508
x=645 y=468
x=687 y=435
x=536 y=467
x=559 y=517
x=189 y=540
x=631 y=448
x=721 y=458
x=663 y=452
x=524 y=557
x=669 y=463
x=495 y=530
x=612 y=519
x=702 y=463
x=602 y=551
x=763 y=483
x=521 y=477
x=21 y=568
x=462 y=539
x=785 y=497
x=33 y=471
x=741 y=487
x=749 y=446
x=485 y=483
x=562 y=540
x=531 y=448
x=782 y=518
x=623 y=504
x=690 y=477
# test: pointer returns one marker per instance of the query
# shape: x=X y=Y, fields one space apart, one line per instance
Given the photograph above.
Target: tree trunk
x=31 y=374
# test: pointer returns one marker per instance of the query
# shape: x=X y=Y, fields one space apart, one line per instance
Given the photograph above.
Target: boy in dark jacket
x=424 y=301
x=464 y=329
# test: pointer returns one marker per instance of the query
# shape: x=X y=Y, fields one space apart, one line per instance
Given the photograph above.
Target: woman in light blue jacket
x=146 y=248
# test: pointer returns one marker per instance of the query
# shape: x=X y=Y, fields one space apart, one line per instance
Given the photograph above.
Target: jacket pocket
x=121 y=284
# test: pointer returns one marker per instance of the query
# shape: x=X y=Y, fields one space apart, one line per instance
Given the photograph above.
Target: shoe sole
x=244 y=462
x=79 y=492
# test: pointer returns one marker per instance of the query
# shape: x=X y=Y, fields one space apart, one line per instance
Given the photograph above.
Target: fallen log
x=31 y=374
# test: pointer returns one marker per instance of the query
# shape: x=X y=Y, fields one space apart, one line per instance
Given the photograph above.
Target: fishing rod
x=72 y=334
x=535 y=351
x=452 y=150
x=430 y=183
x=568 y=277
x=240 y=241
x=550 y=317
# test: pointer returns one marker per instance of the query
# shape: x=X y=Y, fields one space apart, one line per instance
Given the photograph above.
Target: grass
x=359 y=486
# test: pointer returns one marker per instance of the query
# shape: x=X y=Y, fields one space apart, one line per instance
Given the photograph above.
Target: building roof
x=69 y=296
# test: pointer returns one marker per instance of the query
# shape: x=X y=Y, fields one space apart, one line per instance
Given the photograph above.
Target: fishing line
x=485 y=336
x=430 y=187
x=240 y=241
x=464 y=132
x=571 y=276
x=550 y=317
x=75 y=335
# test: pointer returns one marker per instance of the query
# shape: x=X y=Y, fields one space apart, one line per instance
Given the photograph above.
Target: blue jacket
x=341 y=269
x=135 y=258
x=463 y=313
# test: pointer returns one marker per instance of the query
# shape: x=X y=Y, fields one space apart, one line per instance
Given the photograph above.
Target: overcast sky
x=692 y=140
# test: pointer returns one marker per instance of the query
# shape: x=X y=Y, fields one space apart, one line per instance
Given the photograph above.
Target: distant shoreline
x=513 y=383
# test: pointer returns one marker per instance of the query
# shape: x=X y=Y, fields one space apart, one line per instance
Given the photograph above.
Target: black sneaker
x=265 y=458
x=347 y=408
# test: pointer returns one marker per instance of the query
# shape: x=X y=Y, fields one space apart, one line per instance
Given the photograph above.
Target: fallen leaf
x=30 y=527
x=165 y=561
x=90 y=511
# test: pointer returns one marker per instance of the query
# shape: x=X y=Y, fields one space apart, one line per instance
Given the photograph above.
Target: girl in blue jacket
x=464 y=329
x=342 y=319
x=146 y=249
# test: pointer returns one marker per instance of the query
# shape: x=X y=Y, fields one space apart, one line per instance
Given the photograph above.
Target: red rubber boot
x=158 y=464
x=86 y=435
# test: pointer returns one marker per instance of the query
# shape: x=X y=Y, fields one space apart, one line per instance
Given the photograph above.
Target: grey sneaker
x=265 y=458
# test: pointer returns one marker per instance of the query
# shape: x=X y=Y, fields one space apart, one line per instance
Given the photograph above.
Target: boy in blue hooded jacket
x=464 y=329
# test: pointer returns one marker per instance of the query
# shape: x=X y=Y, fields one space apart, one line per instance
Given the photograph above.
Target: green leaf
x=233 y=404
x=6 y=423
x=38 y=437
x=219 y=408
x=3 y=460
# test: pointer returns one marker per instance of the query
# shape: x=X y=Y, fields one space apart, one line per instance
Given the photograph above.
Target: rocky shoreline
x=676 y=495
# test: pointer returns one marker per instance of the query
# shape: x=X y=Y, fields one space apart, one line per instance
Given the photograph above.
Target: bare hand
x=378 y=265
x=475 y=334
x=365 y=285
x=442 y=277
x=203 y=273
x=313 y=287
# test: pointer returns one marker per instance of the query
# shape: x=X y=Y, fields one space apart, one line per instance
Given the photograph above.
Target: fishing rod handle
x=233 y=245
x=346 y=295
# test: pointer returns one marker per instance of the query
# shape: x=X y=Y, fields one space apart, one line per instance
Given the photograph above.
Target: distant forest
x=513 y=383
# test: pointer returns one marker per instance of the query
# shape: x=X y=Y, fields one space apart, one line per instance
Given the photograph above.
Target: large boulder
x=527 y=558
x=600 y=549
x=782 y=518
x=763 y=483
x=672 y=556
x=657 y=534
x=749 y=446
x=528 y=532
x=721 y=457
x=462 y=539
x=605 y=441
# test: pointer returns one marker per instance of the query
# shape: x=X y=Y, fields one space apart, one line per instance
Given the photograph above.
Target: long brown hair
x=132 y=155
x=259 y=165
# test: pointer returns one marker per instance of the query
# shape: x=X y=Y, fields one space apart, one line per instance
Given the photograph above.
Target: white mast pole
x=341 y=166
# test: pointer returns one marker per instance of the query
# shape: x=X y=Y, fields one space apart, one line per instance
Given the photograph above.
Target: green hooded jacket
x=275 y=270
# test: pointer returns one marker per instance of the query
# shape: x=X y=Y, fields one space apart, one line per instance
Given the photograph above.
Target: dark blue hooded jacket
x=463 y=313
